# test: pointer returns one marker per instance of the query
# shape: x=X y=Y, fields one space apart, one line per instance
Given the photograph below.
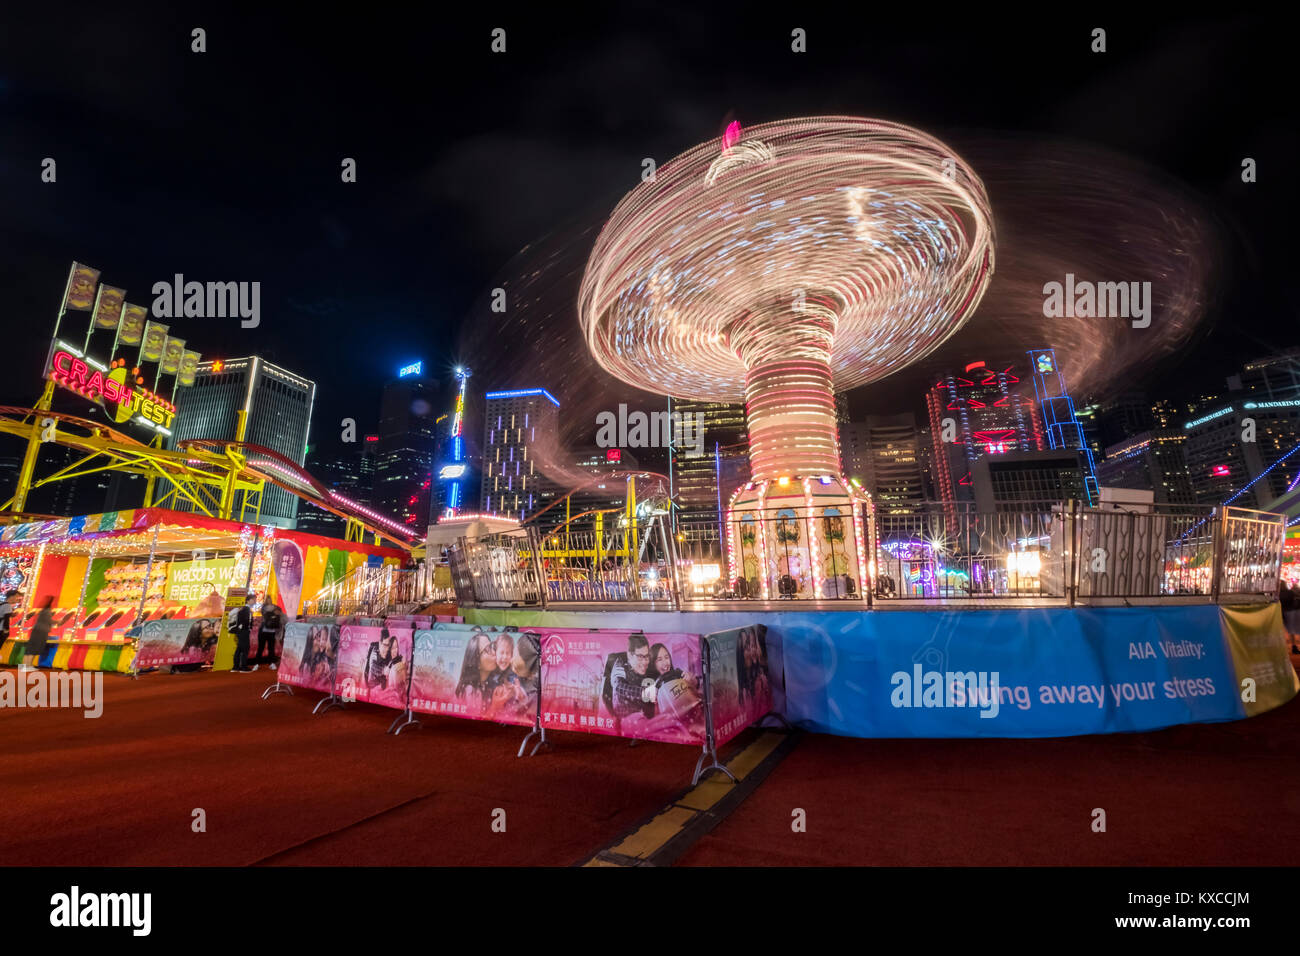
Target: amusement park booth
x=104 y=574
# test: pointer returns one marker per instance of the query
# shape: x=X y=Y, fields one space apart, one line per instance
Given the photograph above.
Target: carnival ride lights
x=807 y=255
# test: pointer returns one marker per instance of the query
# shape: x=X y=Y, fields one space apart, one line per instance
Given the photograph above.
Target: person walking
x=40 y=634
x=242 y=630
x=1289 y=598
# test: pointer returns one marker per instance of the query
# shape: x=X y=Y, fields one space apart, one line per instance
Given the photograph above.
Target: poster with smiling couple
x=647 y=686
x=374 y=665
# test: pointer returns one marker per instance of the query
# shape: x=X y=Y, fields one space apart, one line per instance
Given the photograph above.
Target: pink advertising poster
x=309 y=655
x=647 y=686
x=738 y=677
x=478 y=674
x=177 y=642
x=374 y=665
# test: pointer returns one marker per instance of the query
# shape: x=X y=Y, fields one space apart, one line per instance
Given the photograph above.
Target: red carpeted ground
x=282 y=786
x=1196 y=795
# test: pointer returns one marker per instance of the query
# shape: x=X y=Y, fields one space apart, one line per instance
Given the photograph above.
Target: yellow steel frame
x=217 y=485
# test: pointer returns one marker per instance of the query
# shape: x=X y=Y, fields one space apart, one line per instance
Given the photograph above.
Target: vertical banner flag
x=155 y=334
x=131 y=331
x=287 y=566
x=109 y=309
x=81 y=287
x=189 y=367
x=173 y=349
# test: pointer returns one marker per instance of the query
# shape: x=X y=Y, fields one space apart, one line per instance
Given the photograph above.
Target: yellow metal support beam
x=19 y=501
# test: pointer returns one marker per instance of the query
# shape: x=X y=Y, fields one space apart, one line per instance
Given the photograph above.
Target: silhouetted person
x=40 y=634
x=8 y=608
x=242 y=630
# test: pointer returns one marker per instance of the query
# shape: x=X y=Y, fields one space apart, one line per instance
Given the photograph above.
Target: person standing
x=8 y=610
x=40 y=634
x=242 y=630
x=267 y=633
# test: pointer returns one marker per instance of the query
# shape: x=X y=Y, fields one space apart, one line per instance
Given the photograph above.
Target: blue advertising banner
x=1058 y=672
x=1031 y=672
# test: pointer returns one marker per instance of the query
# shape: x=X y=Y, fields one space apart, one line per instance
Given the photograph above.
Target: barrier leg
x=539 y=732
x=277 y=688
x=404 y=719
x=702 y=770
x=328 y=702
x=785 y=724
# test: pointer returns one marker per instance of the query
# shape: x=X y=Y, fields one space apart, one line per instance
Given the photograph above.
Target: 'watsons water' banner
x=739 y=680
x=648 y=686
x=309 y=656
x=189 y=582
x=476 y=674
x=177 y=642
x=374 y=665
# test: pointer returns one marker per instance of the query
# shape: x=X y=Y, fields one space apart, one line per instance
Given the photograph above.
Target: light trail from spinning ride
x=807 y=256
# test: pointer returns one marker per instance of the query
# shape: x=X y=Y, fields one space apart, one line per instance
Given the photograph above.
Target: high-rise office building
x=891 y=462
x=348 y=469
x=594 y=465
x=703 y=479
x=520 y=451
x=406 y=454
x=1225 y=466
x=1120 y=418
x=1017 y=481
x=276 y=405
x=982 y=411
x=1150 y=461
x=1272 y=378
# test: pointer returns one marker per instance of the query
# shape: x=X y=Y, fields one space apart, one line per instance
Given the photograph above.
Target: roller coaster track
x=208 y=474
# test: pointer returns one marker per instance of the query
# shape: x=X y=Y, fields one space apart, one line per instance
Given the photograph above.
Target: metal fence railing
x=1055 y=553
x=372 y=591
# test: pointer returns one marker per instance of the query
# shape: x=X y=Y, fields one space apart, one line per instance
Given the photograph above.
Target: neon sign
x=110 y=389
x=456 y=470
x=1210 y=417
x=415 y=368
x=613 y=454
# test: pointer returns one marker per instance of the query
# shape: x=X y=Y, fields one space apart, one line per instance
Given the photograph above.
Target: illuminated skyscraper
x=980 y=412
x=1060 y=424
x=277 y=406
x=406 y=454
x=520 y=447
x=723 y=455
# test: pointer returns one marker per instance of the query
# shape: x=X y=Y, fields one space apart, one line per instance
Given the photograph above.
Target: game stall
x=103 y=575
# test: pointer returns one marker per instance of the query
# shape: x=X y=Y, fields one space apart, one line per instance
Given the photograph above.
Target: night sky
x=225 y=165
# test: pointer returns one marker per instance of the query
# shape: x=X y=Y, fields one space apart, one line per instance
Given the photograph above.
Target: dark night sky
x=225 y=165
